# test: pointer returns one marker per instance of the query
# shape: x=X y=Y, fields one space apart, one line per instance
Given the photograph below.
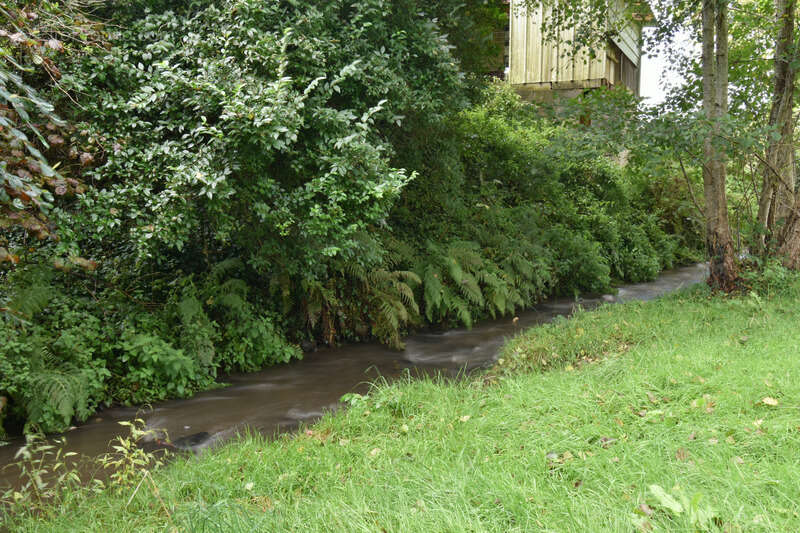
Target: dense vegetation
x=671 y=415
x=223 y=181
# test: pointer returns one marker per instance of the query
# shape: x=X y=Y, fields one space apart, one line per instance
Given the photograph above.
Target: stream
x=280 y=398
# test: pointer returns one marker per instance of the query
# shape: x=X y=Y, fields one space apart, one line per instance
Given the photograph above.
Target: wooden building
x=540 y=68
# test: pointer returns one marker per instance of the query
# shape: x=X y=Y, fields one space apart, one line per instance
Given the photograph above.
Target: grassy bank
x=681 y=414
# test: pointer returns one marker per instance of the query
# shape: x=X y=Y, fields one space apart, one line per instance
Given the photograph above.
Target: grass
x=681 y=414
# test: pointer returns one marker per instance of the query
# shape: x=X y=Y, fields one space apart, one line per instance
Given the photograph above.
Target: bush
x=513 y=184
x=768 y=277
x=65 y=352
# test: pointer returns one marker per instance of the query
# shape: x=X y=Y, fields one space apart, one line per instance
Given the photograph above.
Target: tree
x=777 y=191
x=715 y=80
x=779 y=203
x=715 y=105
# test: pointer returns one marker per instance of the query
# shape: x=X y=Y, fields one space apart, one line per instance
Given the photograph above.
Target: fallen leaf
x=605 y=442
x=55 y=44
x=249 y=486
x=682 y=454
x=772 y=402
x=374 y=452
x=652 y=397
x=465 y=418
x=55 y=140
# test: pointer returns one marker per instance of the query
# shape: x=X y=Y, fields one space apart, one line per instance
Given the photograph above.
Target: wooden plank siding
x=537 y=64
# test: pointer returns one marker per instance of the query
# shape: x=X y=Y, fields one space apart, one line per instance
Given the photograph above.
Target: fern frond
x=455 y=270
x=433 y=290
x=189 y=308
x=466 y=254
x=408 y=276
x=31 y=300
x=397 y=253
x=498 y=300
x=460 y=309
x=522 y=266
x=356 y=272
x=223 y=268
x=407 y=295
x=234 y=302
x=234 y=286
x=61 y=390
x=471 y=291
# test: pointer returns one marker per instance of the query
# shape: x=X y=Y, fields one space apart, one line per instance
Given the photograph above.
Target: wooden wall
x=539 y=64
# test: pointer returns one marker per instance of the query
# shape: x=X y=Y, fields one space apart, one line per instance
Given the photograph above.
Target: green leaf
x=665 y=499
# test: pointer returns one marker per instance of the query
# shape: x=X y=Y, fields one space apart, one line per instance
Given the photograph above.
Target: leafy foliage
x=63 y=356
x=522 y=207
x=259 y=126
x=257 y=169
x=41 y=155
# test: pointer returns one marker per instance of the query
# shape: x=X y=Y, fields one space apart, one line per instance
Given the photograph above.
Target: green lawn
x=680 y=414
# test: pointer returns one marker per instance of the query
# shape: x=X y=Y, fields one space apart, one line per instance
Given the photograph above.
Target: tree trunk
x=719 y=244
x=778 y=182
x=786 y=57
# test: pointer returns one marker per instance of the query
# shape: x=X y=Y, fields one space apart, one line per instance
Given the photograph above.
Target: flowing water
x=282 y=397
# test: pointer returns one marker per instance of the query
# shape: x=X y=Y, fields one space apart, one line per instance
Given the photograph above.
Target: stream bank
x=280 y=398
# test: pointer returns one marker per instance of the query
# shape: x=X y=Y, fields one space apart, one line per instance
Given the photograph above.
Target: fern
x=189 y=309
x=391 y=299
x=433 y=291
x=458 y=307
x=30 y=300
x=56 y=392
x=471 y=291
x=62 y=391
x=398 y=252
x=461 y=282
x=225 y=268
x=198 y=331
